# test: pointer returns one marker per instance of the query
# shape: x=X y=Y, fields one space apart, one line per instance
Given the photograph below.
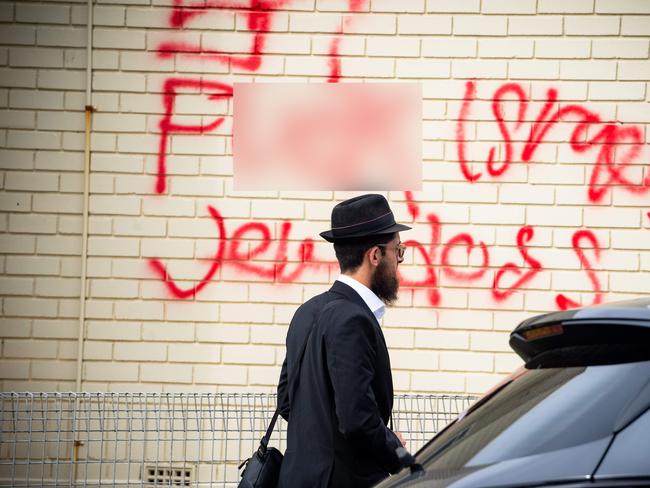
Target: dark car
x=576 y=415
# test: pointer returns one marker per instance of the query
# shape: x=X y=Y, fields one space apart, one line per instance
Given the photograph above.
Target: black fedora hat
x=365 y=215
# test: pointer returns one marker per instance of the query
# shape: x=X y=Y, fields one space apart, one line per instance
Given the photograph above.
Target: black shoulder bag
x=263 y=467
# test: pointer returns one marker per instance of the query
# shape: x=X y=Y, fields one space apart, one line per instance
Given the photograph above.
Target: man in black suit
x=339 y=397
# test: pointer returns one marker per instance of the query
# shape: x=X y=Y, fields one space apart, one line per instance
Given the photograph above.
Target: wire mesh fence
x=143 y=439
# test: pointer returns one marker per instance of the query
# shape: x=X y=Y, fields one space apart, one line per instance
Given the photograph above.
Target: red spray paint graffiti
x=562 y=301
x=214 y=90
x=435 y=257
x=500 y=293
x=229 y=253
x=432 y=262
x=470 y=95
x=160 y=269
x=259 y=15
x=607 y=169
x=279 y=270
x=334 y=62
x=524 y=236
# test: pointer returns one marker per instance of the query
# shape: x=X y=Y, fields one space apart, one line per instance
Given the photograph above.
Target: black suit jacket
x=339 y=405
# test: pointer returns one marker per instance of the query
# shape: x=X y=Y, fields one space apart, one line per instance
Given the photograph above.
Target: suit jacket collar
x=348 y=292
x=376 y=306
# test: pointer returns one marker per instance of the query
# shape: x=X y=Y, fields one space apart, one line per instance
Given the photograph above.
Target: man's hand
x=401 y=438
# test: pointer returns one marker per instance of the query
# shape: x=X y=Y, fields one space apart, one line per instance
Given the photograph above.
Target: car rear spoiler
x=580 y=342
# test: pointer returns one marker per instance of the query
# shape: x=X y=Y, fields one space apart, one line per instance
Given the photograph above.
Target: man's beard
x=384 y=283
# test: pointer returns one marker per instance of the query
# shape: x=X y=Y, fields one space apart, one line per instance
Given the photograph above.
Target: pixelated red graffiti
x=616 y=147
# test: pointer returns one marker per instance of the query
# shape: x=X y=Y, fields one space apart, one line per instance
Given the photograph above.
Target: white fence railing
x=142 y=439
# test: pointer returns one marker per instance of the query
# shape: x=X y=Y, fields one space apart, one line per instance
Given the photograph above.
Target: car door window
x=629 y=454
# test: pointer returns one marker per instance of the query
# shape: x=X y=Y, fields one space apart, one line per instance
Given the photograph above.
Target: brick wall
x=535 y=197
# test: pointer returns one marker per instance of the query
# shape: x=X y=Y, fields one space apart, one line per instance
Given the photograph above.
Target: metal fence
x=142 y=439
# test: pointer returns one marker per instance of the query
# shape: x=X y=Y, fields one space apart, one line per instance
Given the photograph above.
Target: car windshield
x=541 y=410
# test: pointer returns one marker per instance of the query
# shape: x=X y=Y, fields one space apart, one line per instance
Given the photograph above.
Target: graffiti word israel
x=615 y=148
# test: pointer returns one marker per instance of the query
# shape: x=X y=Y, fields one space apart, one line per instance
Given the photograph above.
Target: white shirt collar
x=375 y=305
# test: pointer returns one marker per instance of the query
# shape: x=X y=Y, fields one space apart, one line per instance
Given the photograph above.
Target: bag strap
x=265 y=440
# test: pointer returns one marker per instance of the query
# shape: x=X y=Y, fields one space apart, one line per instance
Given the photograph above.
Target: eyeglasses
x=400 y=249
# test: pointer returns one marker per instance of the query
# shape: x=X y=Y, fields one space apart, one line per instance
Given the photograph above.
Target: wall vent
x=168 y=475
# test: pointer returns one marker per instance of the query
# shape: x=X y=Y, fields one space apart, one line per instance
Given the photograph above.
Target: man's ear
x=373 y=256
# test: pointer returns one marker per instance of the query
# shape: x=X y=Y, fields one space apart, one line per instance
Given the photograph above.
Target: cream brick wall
x=449 y=331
